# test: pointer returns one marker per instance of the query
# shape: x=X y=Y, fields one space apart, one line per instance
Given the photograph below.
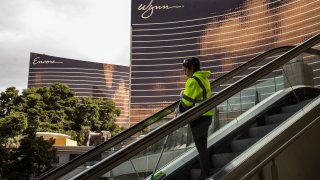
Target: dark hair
x=192 y=61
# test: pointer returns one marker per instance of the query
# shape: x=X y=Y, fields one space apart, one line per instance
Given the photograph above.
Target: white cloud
x=91 y=30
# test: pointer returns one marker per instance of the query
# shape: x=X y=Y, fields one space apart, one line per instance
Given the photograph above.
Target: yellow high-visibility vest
x=197 y=89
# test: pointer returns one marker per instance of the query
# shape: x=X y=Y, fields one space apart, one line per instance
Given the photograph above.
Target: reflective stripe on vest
x=204 y=92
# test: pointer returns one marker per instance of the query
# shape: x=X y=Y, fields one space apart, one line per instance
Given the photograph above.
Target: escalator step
x=221 y=159
x=277 y=118
x=261 y=131
x=295 y=107
x=195 y=173
x=241 y=145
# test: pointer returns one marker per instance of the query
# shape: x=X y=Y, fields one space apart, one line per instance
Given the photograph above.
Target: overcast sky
x=91 y=30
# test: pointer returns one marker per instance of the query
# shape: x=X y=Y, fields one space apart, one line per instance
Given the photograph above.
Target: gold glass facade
x=91 y=79
x=223 y=34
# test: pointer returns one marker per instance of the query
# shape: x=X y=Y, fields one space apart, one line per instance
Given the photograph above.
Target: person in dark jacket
x=197 y=89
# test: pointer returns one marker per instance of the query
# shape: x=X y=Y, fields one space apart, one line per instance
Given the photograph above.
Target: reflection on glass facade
x=223 y=34
x=96 y=80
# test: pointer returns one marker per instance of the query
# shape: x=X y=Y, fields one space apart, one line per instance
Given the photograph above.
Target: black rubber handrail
x=128 y=152
x=81 y=159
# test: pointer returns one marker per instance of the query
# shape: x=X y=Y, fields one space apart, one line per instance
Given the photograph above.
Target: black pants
x=199 y=129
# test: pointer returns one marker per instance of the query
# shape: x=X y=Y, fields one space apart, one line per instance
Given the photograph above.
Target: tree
x=11 y=127
x=33 y=157
x=10 y=101
x=108 y=115
x=49 y=109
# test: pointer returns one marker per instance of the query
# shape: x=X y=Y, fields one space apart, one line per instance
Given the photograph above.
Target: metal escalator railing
x=125 y=154
x=60 y=171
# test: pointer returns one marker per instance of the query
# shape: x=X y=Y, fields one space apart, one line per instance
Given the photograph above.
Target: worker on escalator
x=197 y=89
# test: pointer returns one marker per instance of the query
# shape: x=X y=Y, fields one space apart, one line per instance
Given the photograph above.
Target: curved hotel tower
x=92 y=79
x=223 y=34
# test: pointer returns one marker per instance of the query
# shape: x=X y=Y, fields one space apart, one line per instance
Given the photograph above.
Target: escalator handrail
x=128 y=152
x=81 y=159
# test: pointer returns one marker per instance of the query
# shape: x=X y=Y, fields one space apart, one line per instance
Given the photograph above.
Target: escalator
x=239 y=82
x=254 y=125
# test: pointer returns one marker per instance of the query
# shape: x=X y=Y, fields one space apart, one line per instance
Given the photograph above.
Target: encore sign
x=38 y=61
x=149 y=9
